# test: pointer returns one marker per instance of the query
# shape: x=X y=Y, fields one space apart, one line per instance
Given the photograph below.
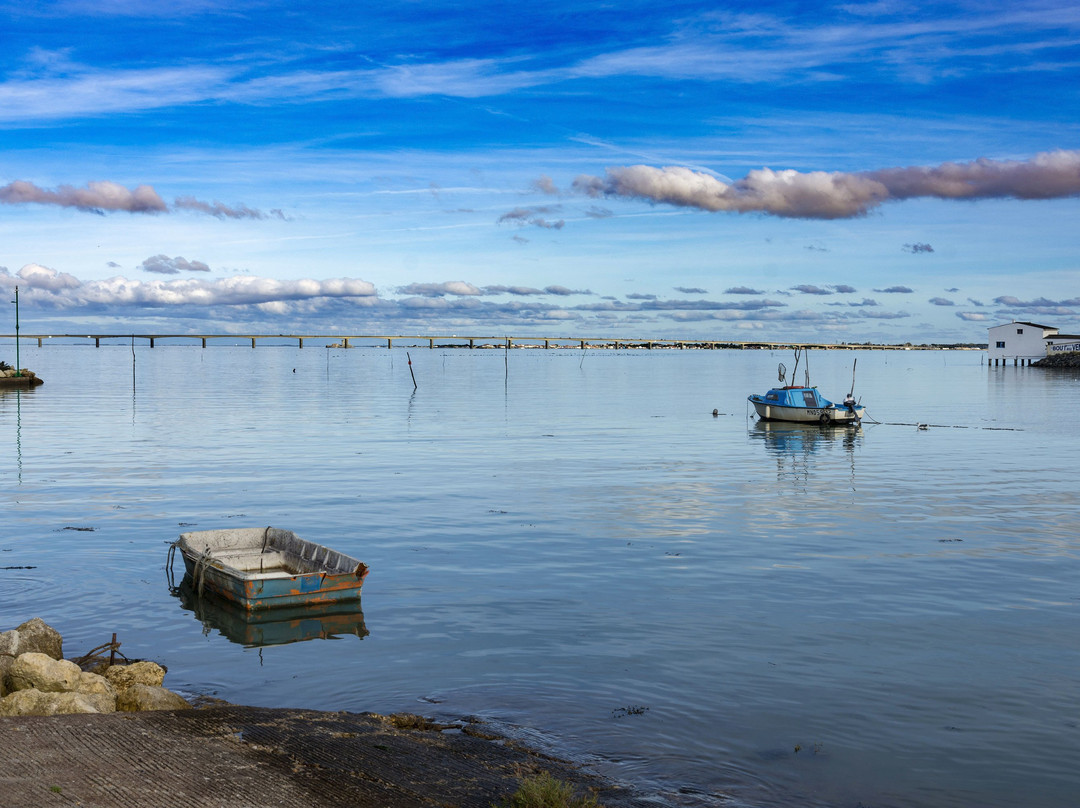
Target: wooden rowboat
x=266 y=567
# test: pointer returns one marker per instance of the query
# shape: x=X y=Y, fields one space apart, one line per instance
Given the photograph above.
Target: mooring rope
x=201 y=563
x=866 y=417
x=169 y=561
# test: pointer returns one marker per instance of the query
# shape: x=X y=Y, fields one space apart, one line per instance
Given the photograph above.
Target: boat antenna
x=806 y=369
x=794 y=370
x=853 y=364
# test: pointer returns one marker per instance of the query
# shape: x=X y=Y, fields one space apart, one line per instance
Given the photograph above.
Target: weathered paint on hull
x=311 y=589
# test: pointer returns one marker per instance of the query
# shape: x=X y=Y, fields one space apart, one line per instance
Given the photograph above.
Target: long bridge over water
x=456 y=341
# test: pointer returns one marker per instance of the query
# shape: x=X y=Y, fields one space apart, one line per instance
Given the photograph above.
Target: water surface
x=719 y=611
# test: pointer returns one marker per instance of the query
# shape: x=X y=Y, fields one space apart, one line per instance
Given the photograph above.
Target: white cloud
x=838 y=195
x=96 y=196
x=164 y=265
x=459 y=288
x=48 y=288
x=103 y=195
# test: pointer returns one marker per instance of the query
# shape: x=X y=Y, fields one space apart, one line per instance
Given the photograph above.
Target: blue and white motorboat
x=804 y=404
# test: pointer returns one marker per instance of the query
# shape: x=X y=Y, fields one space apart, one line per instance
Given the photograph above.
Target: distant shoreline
x=344 y=341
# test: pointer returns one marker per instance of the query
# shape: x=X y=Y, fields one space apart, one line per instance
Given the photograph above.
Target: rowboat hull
x=267 y=568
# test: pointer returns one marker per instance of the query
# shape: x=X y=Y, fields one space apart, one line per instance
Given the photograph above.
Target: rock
x=44 y=673
x=140 y=697
x=1064 y=359
x=121 y=677
x=66 y=703
x=9 y=643
x=34 y=702
x=93 y=684
x=38 y=636
x=23 y=702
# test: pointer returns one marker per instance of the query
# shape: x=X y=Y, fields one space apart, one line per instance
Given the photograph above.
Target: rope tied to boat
x=169 y=560
x=199 y=576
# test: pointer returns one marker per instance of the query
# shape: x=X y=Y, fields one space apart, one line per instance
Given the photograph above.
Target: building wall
x=1018 y=341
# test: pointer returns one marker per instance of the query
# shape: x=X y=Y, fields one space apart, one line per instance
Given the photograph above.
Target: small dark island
x=17 y=377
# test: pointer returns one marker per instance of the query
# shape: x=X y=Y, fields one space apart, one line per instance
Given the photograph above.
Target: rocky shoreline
x=82 y=745
x=1066 y=359
x=10 y=377
x=35 y=679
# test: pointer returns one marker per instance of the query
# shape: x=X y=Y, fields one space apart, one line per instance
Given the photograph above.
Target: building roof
x=1023 y=322
x=1063 y=336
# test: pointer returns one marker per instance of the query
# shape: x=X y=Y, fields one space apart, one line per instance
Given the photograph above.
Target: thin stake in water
x=18 y=363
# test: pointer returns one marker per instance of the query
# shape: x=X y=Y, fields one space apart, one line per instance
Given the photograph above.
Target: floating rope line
x=866 y=417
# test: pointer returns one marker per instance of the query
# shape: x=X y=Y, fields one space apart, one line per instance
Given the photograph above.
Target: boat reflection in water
x=271 y=626
x=794 y=444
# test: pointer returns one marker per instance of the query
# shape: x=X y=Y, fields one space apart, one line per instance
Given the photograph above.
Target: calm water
x=573 y=545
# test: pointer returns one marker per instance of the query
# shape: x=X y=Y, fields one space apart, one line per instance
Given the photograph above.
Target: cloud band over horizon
x=840 y=195
x=105 y=196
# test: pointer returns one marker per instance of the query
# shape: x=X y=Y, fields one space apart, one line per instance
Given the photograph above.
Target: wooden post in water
x=253 y=342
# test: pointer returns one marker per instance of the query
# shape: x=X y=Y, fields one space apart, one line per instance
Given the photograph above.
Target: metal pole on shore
x=18 y=364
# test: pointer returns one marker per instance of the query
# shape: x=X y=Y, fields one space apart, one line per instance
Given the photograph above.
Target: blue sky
x=882 y=171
